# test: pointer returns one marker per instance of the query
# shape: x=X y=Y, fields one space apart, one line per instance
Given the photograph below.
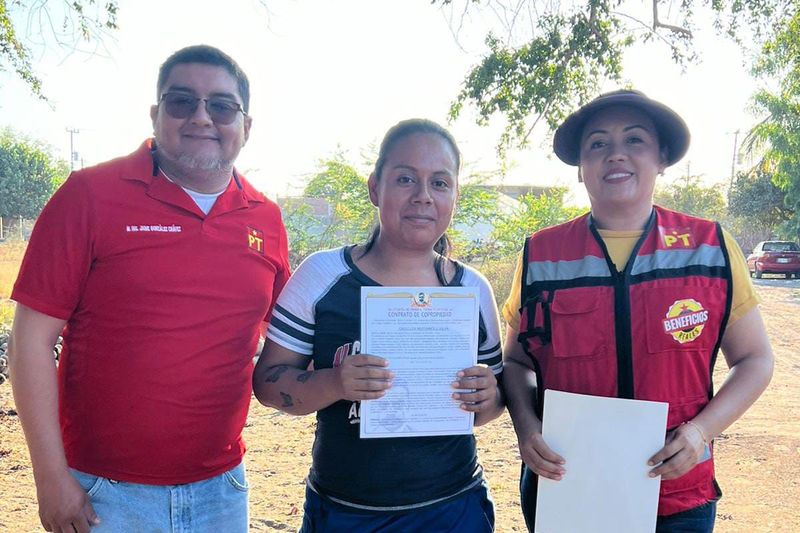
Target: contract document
x=606 y=443
x=427 y=334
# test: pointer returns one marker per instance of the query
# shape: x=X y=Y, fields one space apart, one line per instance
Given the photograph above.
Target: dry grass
x=500 y=274
x=11 y=253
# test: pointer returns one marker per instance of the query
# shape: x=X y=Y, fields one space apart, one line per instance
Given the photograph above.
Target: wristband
x=699 y=429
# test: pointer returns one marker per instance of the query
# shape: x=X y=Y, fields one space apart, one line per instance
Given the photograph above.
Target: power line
x=733 y=159
x=73 y=155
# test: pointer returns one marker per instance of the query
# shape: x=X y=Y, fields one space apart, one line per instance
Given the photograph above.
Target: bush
x=500 y=273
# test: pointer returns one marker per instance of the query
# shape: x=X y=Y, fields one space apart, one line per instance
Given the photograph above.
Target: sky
x=331 y=77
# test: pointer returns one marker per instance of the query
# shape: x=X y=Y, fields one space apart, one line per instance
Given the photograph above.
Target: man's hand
x=64 y=506
x=363 y=377
x=539 y=457
x=479 y=378
x=683 y=450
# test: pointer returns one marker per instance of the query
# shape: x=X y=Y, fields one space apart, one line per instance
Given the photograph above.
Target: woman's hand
x=519 y=381
x=683 y=450
x=486 y=399
x=538 y=456
x=479 y=378
x=363 y=377
x=282 y=380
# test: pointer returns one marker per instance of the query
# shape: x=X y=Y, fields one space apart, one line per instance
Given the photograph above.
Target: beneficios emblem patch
x=685 y=320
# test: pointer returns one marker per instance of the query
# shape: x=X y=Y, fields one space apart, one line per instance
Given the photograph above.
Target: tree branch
x=565 y=61
x=645 y=26
x=658 y=24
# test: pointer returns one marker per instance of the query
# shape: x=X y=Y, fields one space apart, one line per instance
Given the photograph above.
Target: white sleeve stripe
x=490 y=349
x=289 y=342
x=278 y=325
x=292 y=321
x=492 y=364
x=490 y=356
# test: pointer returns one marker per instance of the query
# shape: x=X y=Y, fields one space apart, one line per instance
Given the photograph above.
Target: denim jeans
x=697 y=520
x=217 y=505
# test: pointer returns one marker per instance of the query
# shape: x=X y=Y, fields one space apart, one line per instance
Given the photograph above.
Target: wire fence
x=15 y=228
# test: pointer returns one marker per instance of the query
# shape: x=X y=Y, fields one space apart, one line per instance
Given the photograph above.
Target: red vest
x=650 y=332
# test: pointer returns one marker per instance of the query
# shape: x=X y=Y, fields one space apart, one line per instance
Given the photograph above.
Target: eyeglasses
x=221 y=110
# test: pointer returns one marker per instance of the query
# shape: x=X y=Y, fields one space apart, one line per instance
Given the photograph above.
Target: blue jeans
x=472 y=512
x=697 y=520
x=217 y=505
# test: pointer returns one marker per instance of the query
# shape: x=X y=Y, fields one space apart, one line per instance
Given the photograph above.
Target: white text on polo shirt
x=158 y=228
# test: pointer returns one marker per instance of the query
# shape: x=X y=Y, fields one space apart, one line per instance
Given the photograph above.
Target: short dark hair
x=396 y=133
x=208 y=55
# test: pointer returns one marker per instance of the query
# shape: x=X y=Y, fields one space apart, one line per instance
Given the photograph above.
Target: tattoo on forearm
x=305 y=376
x=275 y=376
x=287 y=400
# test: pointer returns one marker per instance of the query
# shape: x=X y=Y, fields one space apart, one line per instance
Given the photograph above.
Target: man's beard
x=208 y=164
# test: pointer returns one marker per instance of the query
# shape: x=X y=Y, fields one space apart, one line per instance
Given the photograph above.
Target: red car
x=775 y=257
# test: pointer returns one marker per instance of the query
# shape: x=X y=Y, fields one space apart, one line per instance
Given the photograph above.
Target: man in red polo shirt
x=159 y=268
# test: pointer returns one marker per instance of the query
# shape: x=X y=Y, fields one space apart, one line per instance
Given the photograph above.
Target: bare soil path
x=758 y=458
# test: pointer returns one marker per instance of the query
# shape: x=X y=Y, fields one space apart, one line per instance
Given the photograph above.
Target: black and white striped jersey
x=318 y=315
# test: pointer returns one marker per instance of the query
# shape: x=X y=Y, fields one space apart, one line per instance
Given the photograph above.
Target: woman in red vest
x=634 y=301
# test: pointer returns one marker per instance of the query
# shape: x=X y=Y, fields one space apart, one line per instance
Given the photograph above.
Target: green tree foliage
x=28 y=175
x=338 y=211
x=67 y=23
x=689 y=196
x=302 y=229
x=534 y=213
x=777 y=136
x=476 y=203
x=477 y=206
x=554 y=55
x=755 y=198
x=345 y=190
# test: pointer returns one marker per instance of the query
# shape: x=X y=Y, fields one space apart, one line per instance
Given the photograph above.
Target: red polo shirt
x=163 y=305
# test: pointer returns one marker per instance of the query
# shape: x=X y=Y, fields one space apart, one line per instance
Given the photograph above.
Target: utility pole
x=72 y=154
x=733 y=159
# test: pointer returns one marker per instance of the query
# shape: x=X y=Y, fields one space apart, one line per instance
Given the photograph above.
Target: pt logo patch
x=676 y=237
x=685 y=320
x=255 y=240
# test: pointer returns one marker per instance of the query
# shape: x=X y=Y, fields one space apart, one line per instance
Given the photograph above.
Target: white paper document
x=606 y=443
x=428 y=334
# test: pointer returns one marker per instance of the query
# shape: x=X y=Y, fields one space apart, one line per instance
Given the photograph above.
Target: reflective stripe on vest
x=588 y=267
x=703 y=255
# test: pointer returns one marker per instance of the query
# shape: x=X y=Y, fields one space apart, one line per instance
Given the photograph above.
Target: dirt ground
x=758 y=458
